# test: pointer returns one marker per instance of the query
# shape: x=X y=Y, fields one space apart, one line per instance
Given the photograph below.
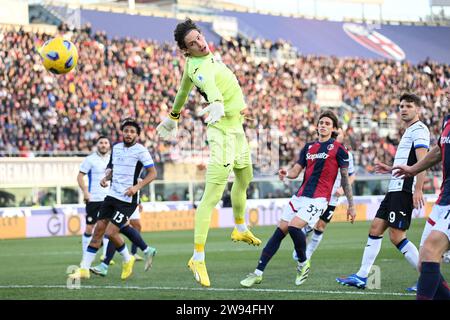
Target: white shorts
x=307 y=209
x=333 y=201
x=438 y=220
x=136 y=214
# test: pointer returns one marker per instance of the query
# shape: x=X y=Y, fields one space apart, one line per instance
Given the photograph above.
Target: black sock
x=133 y=249
x=110 y=251
x=270 y=249
x=299 y=239
x=134 y=236
x=428 y=281
x=443 y=291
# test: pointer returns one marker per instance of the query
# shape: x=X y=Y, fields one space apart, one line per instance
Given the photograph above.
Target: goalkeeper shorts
x=229 y=150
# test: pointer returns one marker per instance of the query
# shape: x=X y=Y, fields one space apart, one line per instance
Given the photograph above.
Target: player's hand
x=402 y=171
x=131 y=191
x=141 y=207
x=282 y=173
x=382 y=168
x=104 y=183
x=86 y=197
x=167 y=129
x=418 y=200
x=351 y=214
x=216 y=111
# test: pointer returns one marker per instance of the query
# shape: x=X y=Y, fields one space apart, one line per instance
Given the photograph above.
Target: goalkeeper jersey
x=214 y=81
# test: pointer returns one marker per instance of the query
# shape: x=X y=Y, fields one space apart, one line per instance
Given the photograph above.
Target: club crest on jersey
x=374 y=41
x=330 y=147
x=200 y=78
x=315 y=156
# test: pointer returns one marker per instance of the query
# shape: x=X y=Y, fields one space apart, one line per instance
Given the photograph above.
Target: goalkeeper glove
x=216 y=111
x=168 y=127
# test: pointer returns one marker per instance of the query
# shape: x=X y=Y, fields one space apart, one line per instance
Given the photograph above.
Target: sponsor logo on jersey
x=445 y=140
x=314 y=156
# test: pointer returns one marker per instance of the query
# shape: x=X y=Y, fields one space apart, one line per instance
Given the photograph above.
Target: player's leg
x=135 y=237
x=243 y=177
x=272 y=246
x=431 y=285
x=102 y=268
x=299 y=239
x=112 y=232
x=136 y=224
x=373 y=246
x=406 y=247
x=91 y=251
x=211 y=196
x=91 y=219
x=219 y=168
x=319 y=229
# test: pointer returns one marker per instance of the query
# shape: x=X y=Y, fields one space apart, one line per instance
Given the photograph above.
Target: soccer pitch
x=36 y=268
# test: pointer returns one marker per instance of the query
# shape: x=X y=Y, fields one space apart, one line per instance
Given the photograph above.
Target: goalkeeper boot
x=246 y=236
x=198 y=268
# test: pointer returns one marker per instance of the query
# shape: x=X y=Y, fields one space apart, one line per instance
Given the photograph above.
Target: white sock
x=242 y=227
x=199 y=255
x=313 y=244
x=258 y=272
x=105 y=245
x=88 y=257
x=409 y=250
x=85 y=242
x=125 y=254
x=370 y=254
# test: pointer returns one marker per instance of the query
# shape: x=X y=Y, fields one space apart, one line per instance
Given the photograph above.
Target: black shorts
x=92 y=209
x=328 y=214
x=396 y=208
x=117 y=211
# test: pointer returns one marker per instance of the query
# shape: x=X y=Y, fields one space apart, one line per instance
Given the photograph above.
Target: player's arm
x=347 y=187
x=431 y=159
x=151 y=175
x=418 y=200
x=182 y=93
x=108 y=171
x=83 y=187
x=292 y=173
x=168 y=127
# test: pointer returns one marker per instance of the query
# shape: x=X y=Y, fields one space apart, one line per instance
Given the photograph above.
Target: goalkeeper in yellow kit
x=228 y=145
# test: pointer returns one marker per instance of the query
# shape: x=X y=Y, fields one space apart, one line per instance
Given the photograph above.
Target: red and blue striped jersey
x=321 y=162
x=443 y=142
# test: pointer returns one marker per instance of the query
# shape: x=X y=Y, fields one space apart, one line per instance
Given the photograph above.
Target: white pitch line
x=211 y=289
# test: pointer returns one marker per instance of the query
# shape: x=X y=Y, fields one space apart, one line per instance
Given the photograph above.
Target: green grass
x=36 y=268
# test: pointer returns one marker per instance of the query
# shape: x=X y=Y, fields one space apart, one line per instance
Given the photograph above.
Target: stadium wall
x=68 y=220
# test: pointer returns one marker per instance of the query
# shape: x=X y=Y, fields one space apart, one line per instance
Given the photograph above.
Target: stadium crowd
x=118 y=78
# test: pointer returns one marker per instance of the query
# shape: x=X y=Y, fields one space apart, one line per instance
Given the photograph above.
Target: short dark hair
x=131 y=122
x=100 y=137
x=411 y=97
x=182 y=30
x=330 y=114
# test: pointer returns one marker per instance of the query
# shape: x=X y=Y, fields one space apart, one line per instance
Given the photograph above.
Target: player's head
x=328 y=125
x=130 y=131
x=190 y=39
x=103 y=145
x=409 y=107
